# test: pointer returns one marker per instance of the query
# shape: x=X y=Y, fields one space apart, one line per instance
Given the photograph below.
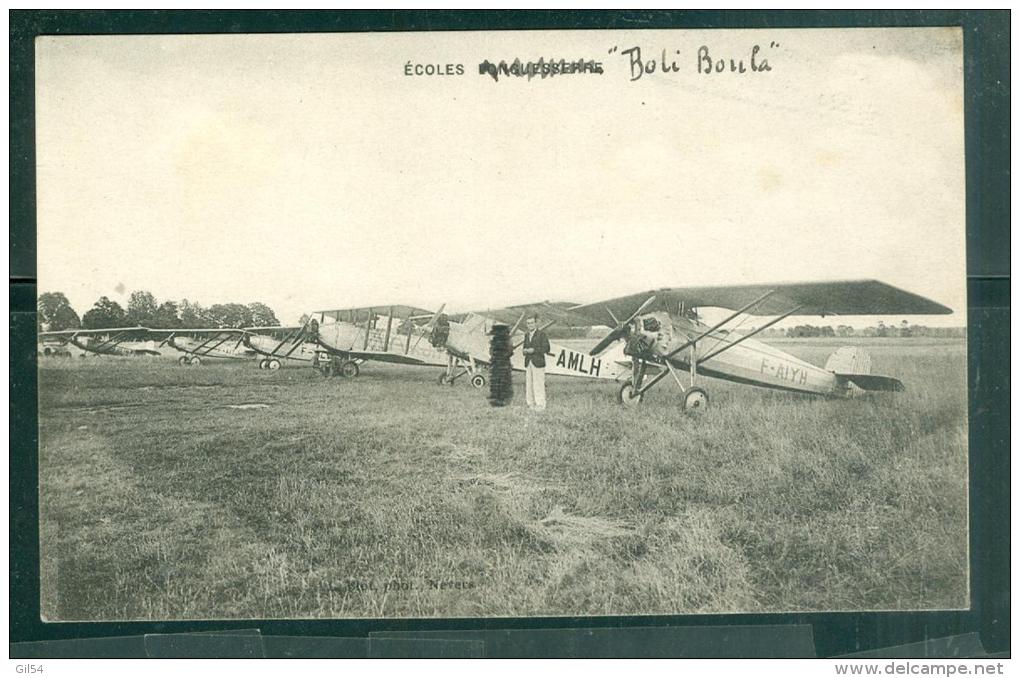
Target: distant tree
x=905 y=329
x=193 y=315
x=262 y=315
x=105 y=313
x=844 y=331
x=141 y=309
x=801 y=331
x=55 y=313
x=230 y=315
x=166 y=316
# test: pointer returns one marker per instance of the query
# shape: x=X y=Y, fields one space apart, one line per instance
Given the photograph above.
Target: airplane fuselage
x=216 y=346
x=473 y=340
x=272 y=347
x=466 y=341
x=382 y=339
x=106 y=346
x=749 y=361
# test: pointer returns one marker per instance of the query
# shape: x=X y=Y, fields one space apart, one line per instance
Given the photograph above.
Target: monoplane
x=201 y=344
x=663 y=328
x=118 y=341
x=280 y=344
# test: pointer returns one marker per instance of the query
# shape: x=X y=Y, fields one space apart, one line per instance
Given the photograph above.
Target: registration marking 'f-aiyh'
x=575 y=362
x=784 y=371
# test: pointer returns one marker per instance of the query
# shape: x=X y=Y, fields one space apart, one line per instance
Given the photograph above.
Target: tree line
x=903 y=329
x=55 y=313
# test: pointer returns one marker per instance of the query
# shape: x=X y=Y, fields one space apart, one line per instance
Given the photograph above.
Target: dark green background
x=986 y=77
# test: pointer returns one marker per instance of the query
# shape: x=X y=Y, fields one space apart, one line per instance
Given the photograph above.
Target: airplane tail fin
x=852 y=365
x=849 y=360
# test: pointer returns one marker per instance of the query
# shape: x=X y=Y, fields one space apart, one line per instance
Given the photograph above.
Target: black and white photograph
x=490 y=324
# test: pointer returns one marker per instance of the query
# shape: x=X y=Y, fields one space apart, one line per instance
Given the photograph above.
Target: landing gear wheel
x=695 y=399
x=628 y=396
x=262 y=364
x=442 y=379
x=478 y=381
x=273 y=364
x=349 y=369
x=183 y=360
x=195 y=361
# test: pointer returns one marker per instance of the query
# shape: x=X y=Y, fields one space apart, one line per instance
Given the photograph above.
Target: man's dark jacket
x=540 y=343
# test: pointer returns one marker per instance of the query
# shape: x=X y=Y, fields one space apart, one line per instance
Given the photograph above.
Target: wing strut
x=518 y=323
x=389 y=326
x=410 y=330
x=209 y=346
x=713 y=328
x=283 y=341
x=368 y=325
x=110 y=342
x=298 y=339
x=750 y=334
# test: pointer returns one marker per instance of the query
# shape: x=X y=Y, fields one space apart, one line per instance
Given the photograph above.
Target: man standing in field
x=536 y=346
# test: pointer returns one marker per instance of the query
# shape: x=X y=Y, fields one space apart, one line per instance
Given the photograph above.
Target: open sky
x=310 y=172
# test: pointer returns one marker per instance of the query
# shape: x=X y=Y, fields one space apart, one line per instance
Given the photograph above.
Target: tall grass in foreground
x=392 y=496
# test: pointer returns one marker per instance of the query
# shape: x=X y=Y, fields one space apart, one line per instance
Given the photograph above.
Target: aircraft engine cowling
x=639 y=344
x=439 y=335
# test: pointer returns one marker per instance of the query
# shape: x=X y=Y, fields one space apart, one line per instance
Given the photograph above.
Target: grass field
x=390 y=495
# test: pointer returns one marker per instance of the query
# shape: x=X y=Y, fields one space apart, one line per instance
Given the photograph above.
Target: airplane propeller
x=621 y=329
x=429 y=327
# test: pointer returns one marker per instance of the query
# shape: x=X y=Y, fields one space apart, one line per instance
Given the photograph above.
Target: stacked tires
x=501 y=388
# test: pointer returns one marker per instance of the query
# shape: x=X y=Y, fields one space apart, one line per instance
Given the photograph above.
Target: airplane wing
x=290 y=333
x=558 y=312
x=125 y=332
x=198 y=330
x=845 y=297
x=272 y=328
x=399 y=311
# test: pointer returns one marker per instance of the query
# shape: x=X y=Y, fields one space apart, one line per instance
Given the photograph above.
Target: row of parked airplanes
x=654 y=335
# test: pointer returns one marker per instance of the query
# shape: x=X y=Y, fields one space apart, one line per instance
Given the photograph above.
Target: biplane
x=393 y=334
x=118 y=341
x=197 y=345
x=457 y=343
x=663 y=329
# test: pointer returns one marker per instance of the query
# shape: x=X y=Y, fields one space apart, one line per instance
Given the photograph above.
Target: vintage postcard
x=489 y=324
